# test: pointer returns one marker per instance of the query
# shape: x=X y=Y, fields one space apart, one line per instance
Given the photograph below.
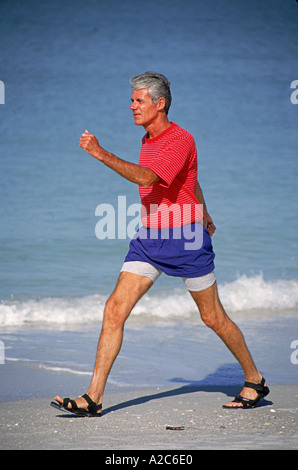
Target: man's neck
x=155 y=128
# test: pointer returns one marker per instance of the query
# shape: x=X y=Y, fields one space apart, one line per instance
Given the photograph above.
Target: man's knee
x=113 y=316
x=214 y=318
x=210 y=308
x=208 y=319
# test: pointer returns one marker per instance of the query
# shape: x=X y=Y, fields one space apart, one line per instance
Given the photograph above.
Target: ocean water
x=65 y=67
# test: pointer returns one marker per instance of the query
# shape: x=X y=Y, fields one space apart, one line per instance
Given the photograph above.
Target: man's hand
x=90 y=143
x=208 y=223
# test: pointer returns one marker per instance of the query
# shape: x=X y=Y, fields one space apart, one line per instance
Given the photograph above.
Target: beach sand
x=183 y=418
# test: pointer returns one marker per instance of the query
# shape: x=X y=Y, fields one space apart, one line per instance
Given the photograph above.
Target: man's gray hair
x=158 y=86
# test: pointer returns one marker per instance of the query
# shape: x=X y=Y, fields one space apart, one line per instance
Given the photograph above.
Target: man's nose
x=133 y=105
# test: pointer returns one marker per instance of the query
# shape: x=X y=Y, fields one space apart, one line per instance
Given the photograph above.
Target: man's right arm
x=137 y=174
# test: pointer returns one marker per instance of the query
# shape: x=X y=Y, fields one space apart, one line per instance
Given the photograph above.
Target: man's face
x=144 y=110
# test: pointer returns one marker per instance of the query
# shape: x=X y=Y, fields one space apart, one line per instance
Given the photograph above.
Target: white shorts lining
x=194 y=284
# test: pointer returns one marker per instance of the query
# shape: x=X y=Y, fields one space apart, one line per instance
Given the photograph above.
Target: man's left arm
x=208 y=222
x=140 y=175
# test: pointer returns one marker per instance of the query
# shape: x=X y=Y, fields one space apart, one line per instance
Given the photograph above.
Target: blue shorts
x=181 y=251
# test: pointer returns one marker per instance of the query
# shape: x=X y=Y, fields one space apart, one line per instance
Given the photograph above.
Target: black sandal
x=261 y=389
x=91 y=411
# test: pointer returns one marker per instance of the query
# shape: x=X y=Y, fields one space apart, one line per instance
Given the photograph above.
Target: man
x=167 y=177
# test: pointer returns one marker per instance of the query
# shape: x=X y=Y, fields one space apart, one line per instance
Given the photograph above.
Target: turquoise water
x=66 y=68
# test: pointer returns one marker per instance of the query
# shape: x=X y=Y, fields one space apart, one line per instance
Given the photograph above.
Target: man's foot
x=250 y=395
x=83 y=406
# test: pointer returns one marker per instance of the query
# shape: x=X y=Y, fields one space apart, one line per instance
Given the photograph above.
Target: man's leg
x=129 y=289
x=215 y=317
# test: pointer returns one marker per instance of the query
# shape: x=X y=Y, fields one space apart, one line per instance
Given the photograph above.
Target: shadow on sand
x=226 y=379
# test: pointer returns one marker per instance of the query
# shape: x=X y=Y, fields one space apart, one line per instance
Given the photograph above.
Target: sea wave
x=50 y=366
x=243 y=294
x=247 y=293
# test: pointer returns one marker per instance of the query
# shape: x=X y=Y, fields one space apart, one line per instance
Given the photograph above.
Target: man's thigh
x=208 y=302
x=129 y=289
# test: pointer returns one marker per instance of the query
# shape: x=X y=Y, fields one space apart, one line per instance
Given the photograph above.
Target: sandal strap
x=92 y=406
x=66 y=402
x=246 y=402
x=260 y=388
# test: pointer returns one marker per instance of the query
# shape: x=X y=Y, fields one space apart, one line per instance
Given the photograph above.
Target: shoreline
x=182 y=418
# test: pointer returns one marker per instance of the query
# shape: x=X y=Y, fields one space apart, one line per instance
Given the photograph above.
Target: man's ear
x=161 y=103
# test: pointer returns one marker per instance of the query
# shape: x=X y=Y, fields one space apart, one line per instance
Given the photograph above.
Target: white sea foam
x=67 y=370
x=247 y=293
x=61 y=311
x=243 y=294
x=50 y=366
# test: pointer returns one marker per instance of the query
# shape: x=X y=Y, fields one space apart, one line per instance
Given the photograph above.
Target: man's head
x=158 y=86
x=151 y=98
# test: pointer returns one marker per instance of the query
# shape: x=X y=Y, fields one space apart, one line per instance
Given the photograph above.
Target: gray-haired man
x=166 y=176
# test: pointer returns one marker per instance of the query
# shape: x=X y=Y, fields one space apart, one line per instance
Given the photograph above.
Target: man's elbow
x=146 y=184
x=149 y=179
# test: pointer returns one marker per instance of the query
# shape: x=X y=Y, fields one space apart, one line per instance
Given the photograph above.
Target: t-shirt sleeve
x=168 y=163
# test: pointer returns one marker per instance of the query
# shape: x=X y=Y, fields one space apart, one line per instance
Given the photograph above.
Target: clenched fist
x=90 y=143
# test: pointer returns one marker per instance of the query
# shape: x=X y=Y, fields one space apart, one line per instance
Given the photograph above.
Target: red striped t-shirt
x=171 y=202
